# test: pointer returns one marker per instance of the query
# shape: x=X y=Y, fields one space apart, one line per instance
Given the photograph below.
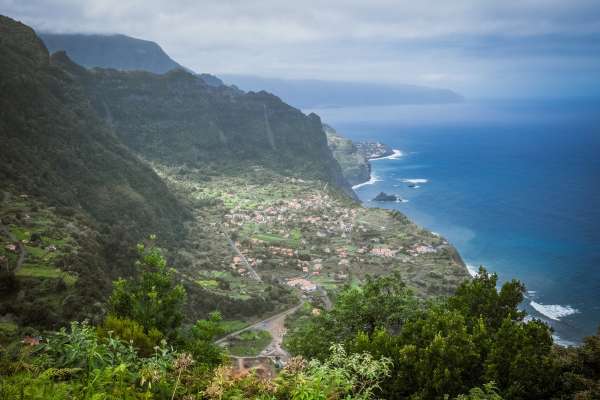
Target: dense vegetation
x=58 y=148
x=476 y=341
x=142 y=351
x=75 y=197
x=178 y=119
x=379 y=341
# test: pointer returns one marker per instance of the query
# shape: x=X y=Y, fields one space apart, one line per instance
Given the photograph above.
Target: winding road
x=252 y=271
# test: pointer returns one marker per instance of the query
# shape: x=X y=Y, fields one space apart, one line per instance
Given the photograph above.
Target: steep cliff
x=355 y=166
x=176 y=118
x=55 y=146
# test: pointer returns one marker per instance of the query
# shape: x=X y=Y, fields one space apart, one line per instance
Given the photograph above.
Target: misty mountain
x=61 y=150
x=111 y=51
x=117 y=52
x=311 y=93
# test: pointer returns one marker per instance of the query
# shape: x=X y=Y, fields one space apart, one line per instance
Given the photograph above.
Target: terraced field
x=292 y=228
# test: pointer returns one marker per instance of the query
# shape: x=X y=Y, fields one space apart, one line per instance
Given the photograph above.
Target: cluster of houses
x=383 y=252
x=419 y=249
x=319 y=216
x=303 y=284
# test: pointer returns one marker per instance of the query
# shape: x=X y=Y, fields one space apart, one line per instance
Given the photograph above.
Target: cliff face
x=183 y=118
x=176 y=118
x=55 y=146
x=355 y=166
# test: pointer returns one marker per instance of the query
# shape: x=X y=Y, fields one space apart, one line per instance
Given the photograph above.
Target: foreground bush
x=341 y=376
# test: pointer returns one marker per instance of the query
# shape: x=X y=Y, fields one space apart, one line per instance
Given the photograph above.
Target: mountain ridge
x=116 y=51
x=72 y=165
x=314 y=93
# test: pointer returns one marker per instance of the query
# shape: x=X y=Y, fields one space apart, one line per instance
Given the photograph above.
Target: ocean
x=513 y=184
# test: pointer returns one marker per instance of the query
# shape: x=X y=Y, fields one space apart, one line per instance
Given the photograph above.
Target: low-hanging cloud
x=477 y=47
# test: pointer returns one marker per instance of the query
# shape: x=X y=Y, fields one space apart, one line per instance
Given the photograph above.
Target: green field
x=45 y=272
x=250 y=343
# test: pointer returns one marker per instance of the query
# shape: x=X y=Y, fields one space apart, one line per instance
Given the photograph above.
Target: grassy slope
x=249 y=343
x=63 y=272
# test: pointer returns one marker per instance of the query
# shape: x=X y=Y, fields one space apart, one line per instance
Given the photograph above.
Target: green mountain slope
x=59 y=149
x=119 y=52
x=241 y=172
x=111 y=51
x=176 y=118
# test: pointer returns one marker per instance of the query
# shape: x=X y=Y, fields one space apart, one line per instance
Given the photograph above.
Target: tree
x=382 y=302
x=580 y=376
x=520 y=361
x=443 y=348
x=199 y=340
x=152 y=299
x=479 y=298
x=433 y=355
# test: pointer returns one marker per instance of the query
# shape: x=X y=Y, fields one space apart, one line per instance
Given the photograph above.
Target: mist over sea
x=513 y=184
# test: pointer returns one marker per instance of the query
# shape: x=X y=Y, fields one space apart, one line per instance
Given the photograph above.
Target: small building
x=303 y=284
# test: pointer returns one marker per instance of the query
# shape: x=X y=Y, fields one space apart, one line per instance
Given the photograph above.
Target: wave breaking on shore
x=415 y=181
x=394 y=156
x=553 y=311
x=473 y=270
x=371 y=181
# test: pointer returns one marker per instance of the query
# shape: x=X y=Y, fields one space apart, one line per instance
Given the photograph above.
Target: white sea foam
x=553 y=311
x=415 y=181
x=473 y=270
x=369 y=182
x=394 y=156
x=563 y=342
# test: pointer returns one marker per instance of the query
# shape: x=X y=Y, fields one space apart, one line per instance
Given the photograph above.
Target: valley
x=166 y=236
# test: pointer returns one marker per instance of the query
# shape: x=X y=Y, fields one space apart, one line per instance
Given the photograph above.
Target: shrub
x=153 y=300
x=132 y=332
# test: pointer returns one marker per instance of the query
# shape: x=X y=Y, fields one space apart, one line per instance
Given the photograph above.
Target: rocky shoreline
x=354 y=157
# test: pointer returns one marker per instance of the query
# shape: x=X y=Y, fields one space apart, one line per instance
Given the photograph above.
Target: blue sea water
x=514 y=185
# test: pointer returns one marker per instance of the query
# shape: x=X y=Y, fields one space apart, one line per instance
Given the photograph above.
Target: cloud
x=478 y=47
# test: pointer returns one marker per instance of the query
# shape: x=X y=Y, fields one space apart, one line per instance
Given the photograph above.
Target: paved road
x=252 y=271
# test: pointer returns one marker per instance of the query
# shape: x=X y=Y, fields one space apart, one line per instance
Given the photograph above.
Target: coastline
x=551 y=314
x=396 y=154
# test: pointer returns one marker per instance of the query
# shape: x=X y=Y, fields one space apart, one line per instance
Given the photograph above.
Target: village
x=278 y=231
x=302 y=235
x=259 y=245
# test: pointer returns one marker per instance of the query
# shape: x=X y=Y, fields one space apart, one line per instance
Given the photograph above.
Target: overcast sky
x=504 y=48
